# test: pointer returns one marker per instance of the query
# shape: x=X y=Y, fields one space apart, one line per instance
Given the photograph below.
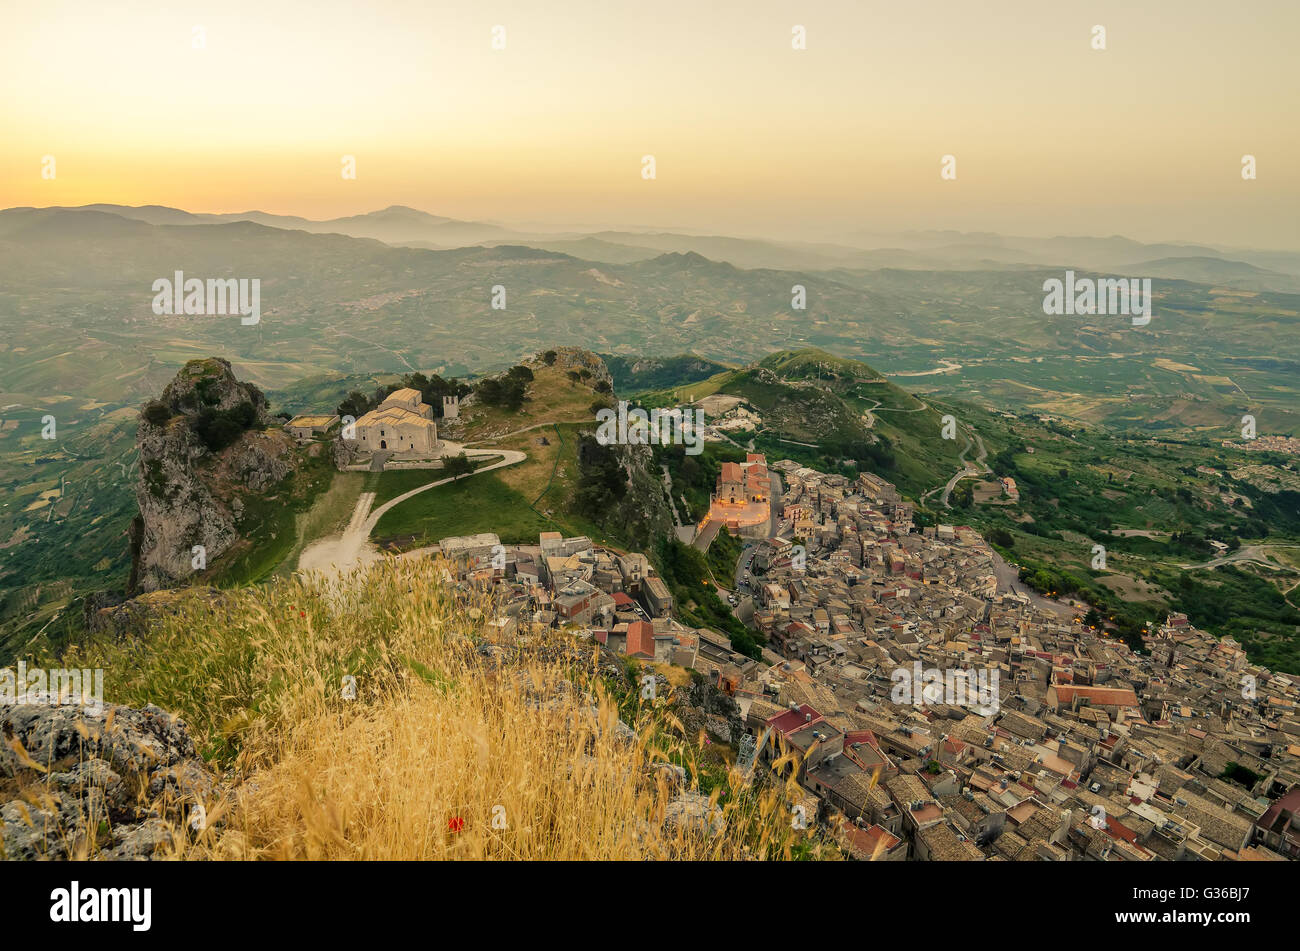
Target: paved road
x=668 y=487
x=968 y=470
x=1252 y=553
x=340 y=554
x=877 y=408
x=1009 y=581
x=705 y=538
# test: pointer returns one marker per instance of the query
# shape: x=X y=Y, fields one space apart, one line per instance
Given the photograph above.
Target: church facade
x=402 y=424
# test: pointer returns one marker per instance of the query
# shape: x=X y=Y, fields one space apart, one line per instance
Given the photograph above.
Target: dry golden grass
x=444 y=753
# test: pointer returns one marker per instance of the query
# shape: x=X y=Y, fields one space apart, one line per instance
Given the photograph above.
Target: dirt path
x=337 y=555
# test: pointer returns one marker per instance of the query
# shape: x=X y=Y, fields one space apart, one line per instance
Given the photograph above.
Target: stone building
x=402 y=424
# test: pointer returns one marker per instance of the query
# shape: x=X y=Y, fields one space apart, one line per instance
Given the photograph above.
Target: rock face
x=705 y=707
x=204 y=447
x=113 y=784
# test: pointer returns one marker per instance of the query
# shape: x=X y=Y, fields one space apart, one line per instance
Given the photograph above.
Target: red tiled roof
x=641 y=639
x=792 y=720
x=1104 y=696
x=1119 y=830
x=868 y=840
x=1290 y=803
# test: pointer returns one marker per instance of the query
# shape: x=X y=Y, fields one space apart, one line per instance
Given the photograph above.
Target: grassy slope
x=435 y=746
x=276 y=523
x=479 y=503
x=1083 y=486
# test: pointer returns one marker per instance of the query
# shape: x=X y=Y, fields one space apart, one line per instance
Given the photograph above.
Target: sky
x=749 y=135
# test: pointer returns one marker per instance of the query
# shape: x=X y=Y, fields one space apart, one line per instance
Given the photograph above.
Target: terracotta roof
x=793 y=719
x=641 y=639
x=1102 y=696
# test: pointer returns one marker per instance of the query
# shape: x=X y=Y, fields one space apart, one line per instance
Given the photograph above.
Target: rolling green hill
x=637 y=374
x=824 y=409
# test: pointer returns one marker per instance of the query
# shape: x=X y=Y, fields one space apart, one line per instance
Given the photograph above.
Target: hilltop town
x=1074 y=746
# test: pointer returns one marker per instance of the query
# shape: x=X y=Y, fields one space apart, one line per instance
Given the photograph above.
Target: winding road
x=1256 y=554
x=340 y=554
x=968 y=470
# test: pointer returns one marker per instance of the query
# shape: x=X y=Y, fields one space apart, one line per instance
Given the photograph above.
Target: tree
x=457 y=466
x=219 y=428
x=508 y=391
x=963 y=495
x=356 y=404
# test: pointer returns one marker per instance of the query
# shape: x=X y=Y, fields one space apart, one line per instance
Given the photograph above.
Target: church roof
x=392 y=414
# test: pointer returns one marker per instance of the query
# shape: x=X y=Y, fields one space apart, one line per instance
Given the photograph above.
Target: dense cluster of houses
x=1075 y=748
x=616 y=598
x=1088 y=750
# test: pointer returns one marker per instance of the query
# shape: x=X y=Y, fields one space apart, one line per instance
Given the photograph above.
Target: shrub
x=157 y=413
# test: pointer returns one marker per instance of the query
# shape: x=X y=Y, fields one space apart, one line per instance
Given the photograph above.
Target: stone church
x=402 y=424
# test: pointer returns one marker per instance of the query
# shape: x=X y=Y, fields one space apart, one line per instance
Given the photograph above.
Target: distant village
x=1086 y=751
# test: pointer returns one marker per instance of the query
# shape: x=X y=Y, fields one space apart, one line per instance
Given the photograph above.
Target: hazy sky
x=749 y=135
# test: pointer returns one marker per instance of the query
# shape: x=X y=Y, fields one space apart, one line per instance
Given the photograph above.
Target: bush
x=219 y=428
x=508 y=390
x=157 y=413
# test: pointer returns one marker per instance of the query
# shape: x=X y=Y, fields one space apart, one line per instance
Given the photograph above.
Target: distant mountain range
x=1246 y=269
x=77 y=323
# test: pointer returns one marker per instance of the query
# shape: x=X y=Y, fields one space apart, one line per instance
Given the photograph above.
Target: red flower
x=302 y=614
x=455 y=823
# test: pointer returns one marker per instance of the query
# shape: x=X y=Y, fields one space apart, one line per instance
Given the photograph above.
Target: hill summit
x=205 y=447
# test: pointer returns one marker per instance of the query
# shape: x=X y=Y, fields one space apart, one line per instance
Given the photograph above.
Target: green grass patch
x=481 y=503
x=392 y=483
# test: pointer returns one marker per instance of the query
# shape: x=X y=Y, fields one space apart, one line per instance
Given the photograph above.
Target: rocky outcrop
x=119 y=618
x=576 y=358
x=114 y=784
x=204 y=447
x=705 y=707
